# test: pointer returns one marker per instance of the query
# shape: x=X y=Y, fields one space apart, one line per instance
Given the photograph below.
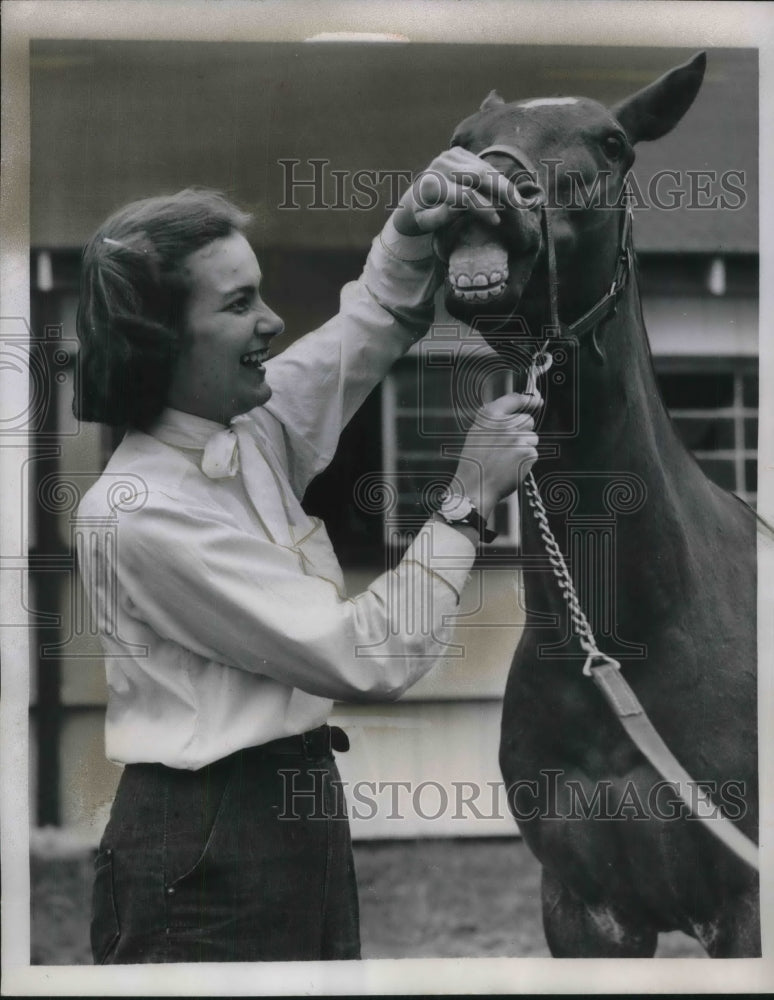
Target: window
x=714 y=405
x=429 y=400
x=428 y=404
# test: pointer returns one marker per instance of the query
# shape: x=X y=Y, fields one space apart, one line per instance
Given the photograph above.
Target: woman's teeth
x=254 y=359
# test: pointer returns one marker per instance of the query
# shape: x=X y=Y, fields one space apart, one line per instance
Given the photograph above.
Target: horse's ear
x=492 y=100
x=655 y=110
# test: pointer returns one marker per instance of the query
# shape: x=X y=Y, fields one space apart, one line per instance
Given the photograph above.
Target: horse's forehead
x=556 y=116
x=545 y=102
x=554 y=121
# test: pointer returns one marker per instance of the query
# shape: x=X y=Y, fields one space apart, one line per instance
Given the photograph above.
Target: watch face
x=455 y=507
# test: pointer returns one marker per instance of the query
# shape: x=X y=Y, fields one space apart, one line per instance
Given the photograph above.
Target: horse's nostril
x=529 y=191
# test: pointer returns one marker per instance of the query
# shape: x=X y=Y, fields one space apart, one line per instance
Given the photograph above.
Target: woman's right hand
x=456 y=181
x=499 y=450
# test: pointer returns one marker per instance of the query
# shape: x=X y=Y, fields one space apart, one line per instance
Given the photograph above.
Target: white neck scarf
x=239 y=449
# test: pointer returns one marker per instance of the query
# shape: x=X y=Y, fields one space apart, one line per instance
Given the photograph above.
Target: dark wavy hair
x=132 y=301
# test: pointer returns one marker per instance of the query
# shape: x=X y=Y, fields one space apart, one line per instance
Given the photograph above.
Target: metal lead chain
x=580 y=623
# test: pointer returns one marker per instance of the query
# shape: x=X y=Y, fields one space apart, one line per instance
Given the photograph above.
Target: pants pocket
x=105 y=929
x=194 y=804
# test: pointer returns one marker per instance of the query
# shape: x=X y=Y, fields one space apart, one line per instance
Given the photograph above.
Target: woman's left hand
x=456 y=181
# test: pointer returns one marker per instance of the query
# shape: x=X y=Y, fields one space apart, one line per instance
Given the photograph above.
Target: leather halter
x=587 y=325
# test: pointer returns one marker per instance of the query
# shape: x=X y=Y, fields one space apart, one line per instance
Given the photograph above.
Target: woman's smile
x=226 y=321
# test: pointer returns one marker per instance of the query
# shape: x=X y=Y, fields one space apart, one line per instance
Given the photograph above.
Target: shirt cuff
x=406 y=247
x=444 y=552
x=404 y=287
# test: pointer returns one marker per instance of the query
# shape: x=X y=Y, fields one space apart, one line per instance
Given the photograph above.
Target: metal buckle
x=587 y=668
x=536 y=370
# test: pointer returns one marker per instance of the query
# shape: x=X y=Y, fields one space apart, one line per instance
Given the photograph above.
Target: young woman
x=226 y=630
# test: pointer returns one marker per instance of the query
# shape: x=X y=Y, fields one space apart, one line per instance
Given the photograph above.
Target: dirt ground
x=418 y=899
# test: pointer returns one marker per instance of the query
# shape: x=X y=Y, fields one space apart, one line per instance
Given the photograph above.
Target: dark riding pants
x=248 y=859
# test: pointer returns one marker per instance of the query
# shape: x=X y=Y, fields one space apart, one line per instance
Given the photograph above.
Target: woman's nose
x=269 y=323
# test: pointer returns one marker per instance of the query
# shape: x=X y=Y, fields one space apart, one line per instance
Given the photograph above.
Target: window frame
x=507 y=513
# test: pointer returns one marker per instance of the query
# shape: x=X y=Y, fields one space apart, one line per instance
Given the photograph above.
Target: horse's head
x=579 y=152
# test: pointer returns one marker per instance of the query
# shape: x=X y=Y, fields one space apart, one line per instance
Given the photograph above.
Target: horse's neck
x=614 y=406
x=623 y=440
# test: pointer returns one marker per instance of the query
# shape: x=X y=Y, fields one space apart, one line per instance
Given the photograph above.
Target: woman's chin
x=260 y=395
x=263 y=394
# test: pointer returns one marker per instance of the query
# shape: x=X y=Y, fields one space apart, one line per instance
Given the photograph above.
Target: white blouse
x=220 y=604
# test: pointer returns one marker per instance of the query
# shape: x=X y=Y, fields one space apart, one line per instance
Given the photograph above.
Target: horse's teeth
x=480 y=289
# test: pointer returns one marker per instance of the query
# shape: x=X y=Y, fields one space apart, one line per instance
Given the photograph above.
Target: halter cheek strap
x=588 y=324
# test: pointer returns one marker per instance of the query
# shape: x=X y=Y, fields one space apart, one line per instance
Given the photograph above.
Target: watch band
x=471 y=520
x=475 y=520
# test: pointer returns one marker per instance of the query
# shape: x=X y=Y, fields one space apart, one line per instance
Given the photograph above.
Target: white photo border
x=699 y=24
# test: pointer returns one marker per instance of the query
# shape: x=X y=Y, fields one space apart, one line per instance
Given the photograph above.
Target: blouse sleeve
x=321 y=380
x=196 y=579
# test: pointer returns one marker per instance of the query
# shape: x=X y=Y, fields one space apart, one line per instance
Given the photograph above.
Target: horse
x=664 y=561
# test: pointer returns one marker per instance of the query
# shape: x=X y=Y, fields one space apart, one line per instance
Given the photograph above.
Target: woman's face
x=219 y=371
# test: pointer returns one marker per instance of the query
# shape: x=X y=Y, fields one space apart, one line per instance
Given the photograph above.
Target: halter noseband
x=588 y=324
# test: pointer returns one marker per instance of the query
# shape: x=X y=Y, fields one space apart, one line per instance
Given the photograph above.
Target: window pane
x=427 y=432
x=428 y=465
x=751 y=432
x=750 y=390
x=501 y=519
x=434 y=386
x=404 y=376
x=419 y=385
x=697 y=392
x=751 y=475
x=705 y=433
x=721 y=471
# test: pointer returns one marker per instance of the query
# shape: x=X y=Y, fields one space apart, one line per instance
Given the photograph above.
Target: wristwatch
x=457 y=509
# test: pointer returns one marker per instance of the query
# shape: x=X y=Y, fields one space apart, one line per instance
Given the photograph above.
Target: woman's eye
x=239 y=306
x=613 y=146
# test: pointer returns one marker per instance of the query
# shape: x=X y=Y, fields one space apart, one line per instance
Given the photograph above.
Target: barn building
x=289 y=131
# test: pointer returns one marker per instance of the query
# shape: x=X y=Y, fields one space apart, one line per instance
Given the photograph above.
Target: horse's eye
x=613 y=146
